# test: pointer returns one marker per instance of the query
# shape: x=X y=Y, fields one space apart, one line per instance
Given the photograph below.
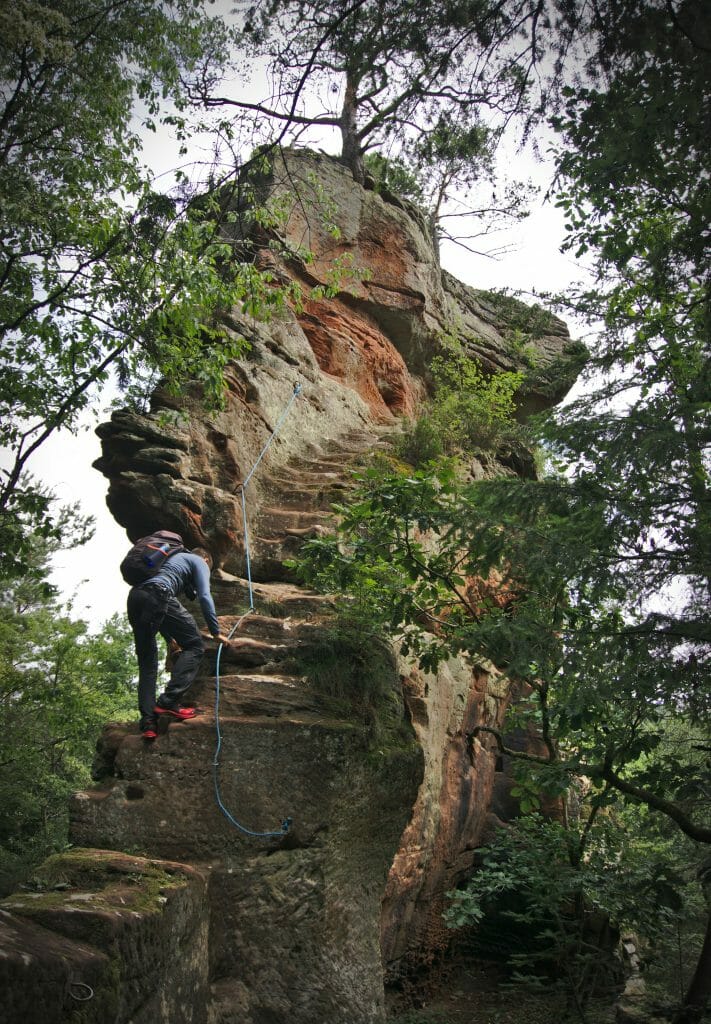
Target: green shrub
x=522 y=323
x=469 y=413
x=392 y=175
x=349 y=664
x=420 y=442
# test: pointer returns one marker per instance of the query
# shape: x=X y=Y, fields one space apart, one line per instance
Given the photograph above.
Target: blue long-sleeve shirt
x=187 y=569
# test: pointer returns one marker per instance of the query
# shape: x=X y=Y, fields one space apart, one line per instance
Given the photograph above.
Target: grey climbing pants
x=153 y=610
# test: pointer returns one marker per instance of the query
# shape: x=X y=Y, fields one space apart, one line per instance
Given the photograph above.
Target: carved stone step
x=277 y=630
x=258 y=696
x=289 y=476
x=318 y=498
x=280 y=599
x=248 y=651
x=293 y=517
x=293 y=520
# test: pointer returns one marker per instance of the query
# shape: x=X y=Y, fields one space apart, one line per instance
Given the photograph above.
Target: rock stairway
x=262 y=687
x=296 y=499
x=260 y=673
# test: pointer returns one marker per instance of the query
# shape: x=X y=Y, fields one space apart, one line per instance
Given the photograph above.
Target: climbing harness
x=286 y=824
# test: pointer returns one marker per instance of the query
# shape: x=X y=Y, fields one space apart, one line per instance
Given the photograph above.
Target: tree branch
x=519 y=755
x=699 y=833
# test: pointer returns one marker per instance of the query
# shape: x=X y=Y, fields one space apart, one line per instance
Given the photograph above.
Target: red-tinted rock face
x=452 y=809
x=351 y=347
x=303 y=928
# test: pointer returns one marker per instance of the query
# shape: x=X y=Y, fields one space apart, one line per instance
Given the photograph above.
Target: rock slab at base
x=106 y=937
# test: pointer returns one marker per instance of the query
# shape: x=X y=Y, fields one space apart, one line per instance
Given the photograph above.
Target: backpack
x=149 y=554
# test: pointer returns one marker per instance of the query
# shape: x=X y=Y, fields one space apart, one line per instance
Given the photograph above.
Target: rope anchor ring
x=80 y=991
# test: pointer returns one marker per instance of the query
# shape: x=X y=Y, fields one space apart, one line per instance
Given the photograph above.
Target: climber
x=153 y=608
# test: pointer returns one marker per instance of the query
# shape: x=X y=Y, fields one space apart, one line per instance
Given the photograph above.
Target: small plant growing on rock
x=470 y=412
x=421 y=442
x=350 y=663
x=523 y=323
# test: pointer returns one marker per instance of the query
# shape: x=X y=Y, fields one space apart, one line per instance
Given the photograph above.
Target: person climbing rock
x=153 y=608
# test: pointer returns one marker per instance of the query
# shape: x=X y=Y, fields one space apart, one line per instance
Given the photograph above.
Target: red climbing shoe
x=149 y=731
x=182 y=714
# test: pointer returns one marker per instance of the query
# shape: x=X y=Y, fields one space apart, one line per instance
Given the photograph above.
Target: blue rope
x=286 y=824
x=297 y=392
x=247 y=556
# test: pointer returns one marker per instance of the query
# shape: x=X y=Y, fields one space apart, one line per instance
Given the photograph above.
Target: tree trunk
x=697 y=996
x=351 y=154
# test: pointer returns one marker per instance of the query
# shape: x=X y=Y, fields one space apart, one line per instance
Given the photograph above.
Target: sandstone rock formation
x=302 y=927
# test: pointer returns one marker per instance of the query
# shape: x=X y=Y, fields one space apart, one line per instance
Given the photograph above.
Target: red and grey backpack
x=149 y=554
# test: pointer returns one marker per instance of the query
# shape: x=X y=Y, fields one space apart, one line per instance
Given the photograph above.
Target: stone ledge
x=95 y=941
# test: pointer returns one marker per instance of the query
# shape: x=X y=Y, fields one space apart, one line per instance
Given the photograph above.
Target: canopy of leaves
x=58 y=686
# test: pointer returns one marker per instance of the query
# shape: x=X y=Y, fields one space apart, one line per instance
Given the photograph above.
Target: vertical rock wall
x=301 y=927
x=452 y=812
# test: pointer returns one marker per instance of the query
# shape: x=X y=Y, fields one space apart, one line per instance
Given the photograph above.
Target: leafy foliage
x=32 y=516
x=393 y=176
x=97 y=269
x=470 y=413
x=350 y=665
x=58 y=686
x=350 y=659
x=522 y=322
x=557 y=907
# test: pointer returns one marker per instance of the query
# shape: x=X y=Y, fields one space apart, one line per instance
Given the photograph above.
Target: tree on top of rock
x=429 y=82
